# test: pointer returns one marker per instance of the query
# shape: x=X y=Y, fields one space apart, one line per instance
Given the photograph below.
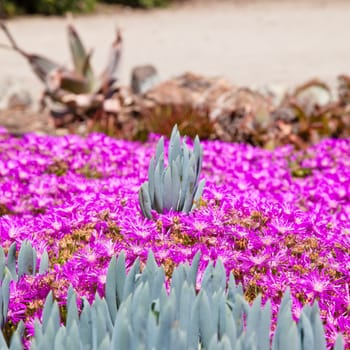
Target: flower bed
x=276 y=219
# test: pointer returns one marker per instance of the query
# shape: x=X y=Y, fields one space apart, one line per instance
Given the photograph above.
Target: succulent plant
x=26 y=265
x=177 y=185
x=138 y=313
x=78 y=93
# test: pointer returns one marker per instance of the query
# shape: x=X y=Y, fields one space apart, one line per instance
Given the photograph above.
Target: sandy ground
x=256 y=43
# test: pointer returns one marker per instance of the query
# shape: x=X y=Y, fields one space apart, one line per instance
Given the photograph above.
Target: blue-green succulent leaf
x=44 y=263
x=111 y=288
x=145 y=200
x=16 y=343
x=317 y=327
x=47 y=310
x=120 y=276
x=3 y=344
x=26 y=260
x=339 y=343
x=85 y=326
x=160 y=152
x=174 y=149
x=60 y=339
x=72 y=309
x=207 y=326
x=167 y=191
x=2 y=264
x=131 y=280
x=305 y=330
x=151 y=179
x=198 y=194
x=11 y=261
x=159 y=185
x=5 y=296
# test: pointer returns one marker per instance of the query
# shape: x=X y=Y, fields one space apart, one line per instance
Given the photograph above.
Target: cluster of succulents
x=138 y=312
x=177 y=186
x=276 y=219
x=78 y=93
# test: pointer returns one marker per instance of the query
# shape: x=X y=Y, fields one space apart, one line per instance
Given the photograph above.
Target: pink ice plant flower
x=78 y=199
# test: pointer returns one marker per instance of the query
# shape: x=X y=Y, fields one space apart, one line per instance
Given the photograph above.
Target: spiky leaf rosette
x=175 y=186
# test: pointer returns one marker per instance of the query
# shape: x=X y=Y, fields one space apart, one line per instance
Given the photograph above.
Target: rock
x=209 y=107
x=13 y=96
x=143 y=78
x=20 y=99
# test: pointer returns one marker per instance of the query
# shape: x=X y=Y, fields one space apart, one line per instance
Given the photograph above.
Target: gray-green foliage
x=47 y=7
x=13 y=269
x=176 y=186
x=141 y=3
x=138 y=313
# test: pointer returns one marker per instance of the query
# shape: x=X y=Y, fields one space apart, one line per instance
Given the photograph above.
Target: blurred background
x=249 y=42
x=266 y=45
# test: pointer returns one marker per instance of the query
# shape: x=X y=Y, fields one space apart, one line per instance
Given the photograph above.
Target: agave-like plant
x=76 y=92
x=177 y=185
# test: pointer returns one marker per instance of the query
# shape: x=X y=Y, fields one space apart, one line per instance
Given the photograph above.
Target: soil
x=251 y=43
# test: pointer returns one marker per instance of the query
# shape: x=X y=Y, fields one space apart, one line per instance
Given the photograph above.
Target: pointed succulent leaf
x=198 y=194
x=184 y=302
x=175 y=185
x=2 y=264
x=60 y=339
x=71 y=82
x=38 y=331
x=305 y=329
x=158 y=189
x=253 y=318
x=113 y=61
x=11 y=261
x=263 y=330
x=3 y=344
x=122 y=337
x=190 y=192
x=229 y=325
x=185 y=183
x=73 y=337
x=16 y=343
x=131 y=279
x=206 y=324
x=85 y=327
x=79 y=54
x=167 y=193
x=214 y=279
x=145 y=200
x=160 y=151
x=72 y=311
x=5 y=296
x=166 y=319
x=194 y=269
x=42 y=66
x=26 y=260
x=317 y=328
x=198 y=152
x=54 y=320
x=339 y=343
x=151 y=184
x=44 y=263
x=290 y=339
x=174 y=149
x=111 y=288
x=120 y=278
x=47 y=310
